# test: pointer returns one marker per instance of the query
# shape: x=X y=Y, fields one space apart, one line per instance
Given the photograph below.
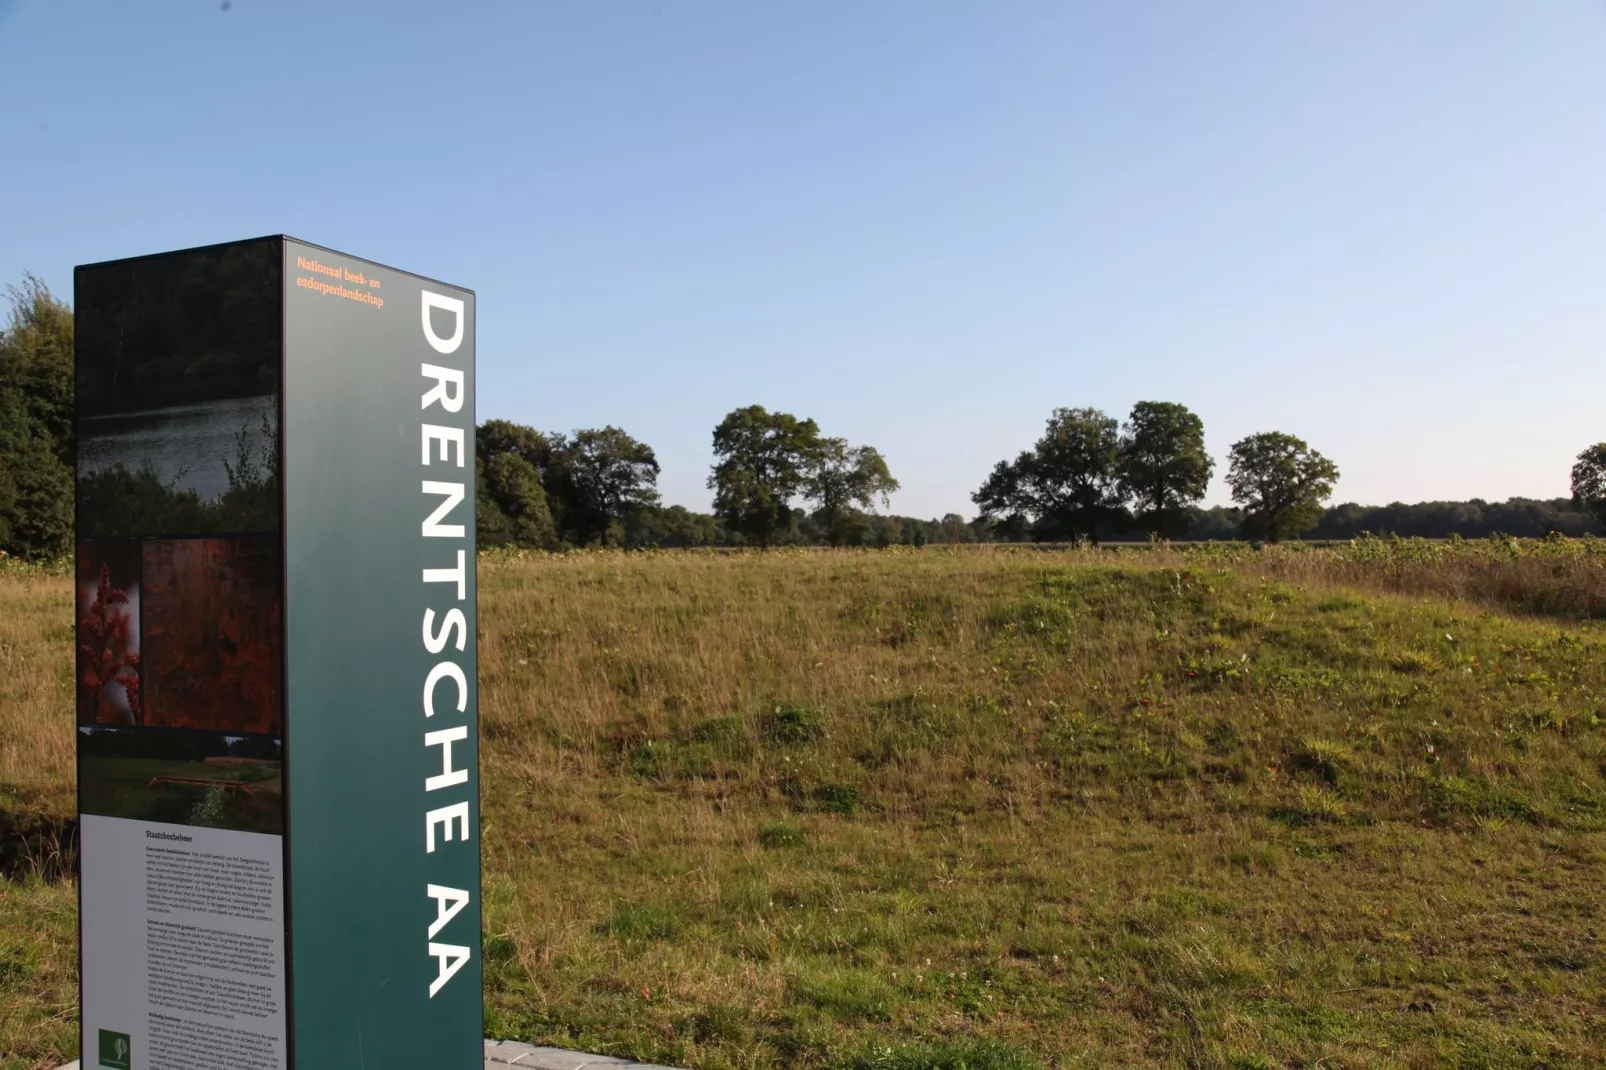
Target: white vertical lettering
x=446 y=438
x=453 y=621
x=432 y=527
x=449 y=902
x=444 y=740
x=448 y=388
x=451 y=958
x=445 y=304
x=445 y=668
x=458 y=575
x=446 y=444
x=442 y=819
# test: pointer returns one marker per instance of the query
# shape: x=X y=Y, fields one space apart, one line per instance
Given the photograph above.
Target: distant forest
x=675 y=526
x=777 y=479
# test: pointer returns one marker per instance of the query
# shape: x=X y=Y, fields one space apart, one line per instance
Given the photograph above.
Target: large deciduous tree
x=504 y=436
x=1281 y=483
x=538 y=489
x=1069 y=479
x=845 y=476
x=1589 y=482
x=512 y=504
x=1004 y=497
x=763 y=460
x=954 y=529
x=602 y=476
x=37 y=440
x=1163 y=466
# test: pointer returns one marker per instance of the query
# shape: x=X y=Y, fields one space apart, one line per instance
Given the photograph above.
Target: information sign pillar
x=276 y=692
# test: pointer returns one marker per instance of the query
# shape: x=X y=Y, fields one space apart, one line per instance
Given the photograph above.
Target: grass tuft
x=840 y=799
x=960 y=1055
x=779 y=834
x=1324 y=759
x=793 y=725
x=848 y=994
x=641 y=922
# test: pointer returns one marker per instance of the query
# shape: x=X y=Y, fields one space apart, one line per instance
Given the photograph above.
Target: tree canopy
x=1589 y=481
x=37 y=439
x=1163 y=467
x=504 y=436
x=541 y=490
x=511 y=505
x=601 y=476
x=762 y=462
x=1070 y=479
x=1280 y=483
x=842 y=477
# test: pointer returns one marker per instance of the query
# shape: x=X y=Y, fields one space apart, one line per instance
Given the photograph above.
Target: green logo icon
x=115 y=1050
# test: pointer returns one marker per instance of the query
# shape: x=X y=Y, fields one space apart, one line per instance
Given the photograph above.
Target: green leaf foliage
x=1280 y=482
x=601 y=476
x=845 y=476
x=1589 y=481
x=762 y=462
x=37 y=443
x=1067 y=484
x=1163 y=467
x=512 y=504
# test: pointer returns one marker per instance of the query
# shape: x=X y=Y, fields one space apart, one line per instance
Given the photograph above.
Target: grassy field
x=992 y=809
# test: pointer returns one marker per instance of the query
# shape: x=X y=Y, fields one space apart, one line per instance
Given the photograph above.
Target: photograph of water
x=178 y=372
x=188 y=447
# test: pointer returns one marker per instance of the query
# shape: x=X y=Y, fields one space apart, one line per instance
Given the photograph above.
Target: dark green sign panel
x=276 y=680
x=383 y=780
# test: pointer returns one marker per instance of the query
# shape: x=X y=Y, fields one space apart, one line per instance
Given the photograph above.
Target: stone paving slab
x=501 y=1054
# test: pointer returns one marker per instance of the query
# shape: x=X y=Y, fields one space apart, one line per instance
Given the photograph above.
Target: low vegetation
x=991 y=808
x=1556 y=577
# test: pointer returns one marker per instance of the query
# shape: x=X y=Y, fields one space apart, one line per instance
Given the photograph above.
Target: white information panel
x=183 y=944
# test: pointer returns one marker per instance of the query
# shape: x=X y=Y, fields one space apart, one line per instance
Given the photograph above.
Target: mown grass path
x=993 y=809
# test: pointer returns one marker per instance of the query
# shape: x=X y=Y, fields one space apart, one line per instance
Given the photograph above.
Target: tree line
x=1089 y=476
x=779 y=480
x=776 y=480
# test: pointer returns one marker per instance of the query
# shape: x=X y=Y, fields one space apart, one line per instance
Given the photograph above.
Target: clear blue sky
x=1379 y=226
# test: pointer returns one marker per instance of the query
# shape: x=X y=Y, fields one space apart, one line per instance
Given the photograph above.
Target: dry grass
x=997 y=809
x=1556 y=577
x=38 y=907
x=36 y=636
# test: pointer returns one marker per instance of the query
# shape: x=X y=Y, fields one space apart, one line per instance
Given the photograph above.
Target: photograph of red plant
x=212 y=652
x=108 y=604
